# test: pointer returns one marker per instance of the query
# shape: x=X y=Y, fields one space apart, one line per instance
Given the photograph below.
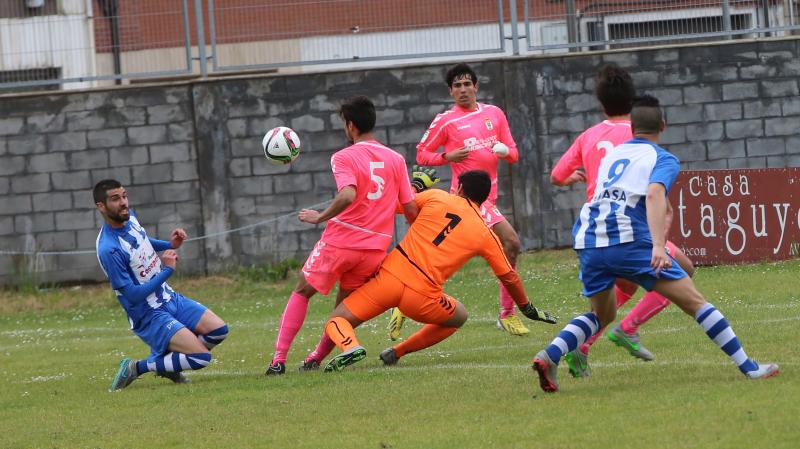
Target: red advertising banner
x=735 y=216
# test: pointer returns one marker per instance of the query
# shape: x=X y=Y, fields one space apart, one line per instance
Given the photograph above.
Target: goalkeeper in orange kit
x=448 y=231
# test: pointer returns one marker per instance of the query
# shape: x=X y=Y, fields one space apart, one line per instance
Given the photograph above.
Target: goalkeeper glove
x=537 y=315
x=423 y=178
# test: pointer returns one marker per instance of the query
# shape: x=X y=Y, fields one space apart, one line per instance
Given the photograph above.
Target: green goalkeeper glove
x=423 y=178
x=537 y=315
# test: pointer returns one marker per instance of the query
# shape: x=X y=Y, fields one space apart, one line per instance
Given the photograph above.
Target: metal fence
x=86 y=43
x=78 y=43
x=583 y=25
x=248 y=34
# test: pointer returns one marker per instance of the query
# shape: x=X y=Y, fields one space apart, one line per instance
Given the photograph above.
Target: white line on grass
x=41 y=332
x=722 y=362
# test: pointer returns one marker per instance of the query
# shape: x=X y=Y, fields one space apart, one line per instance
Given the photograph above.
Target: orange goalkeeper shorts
x=385 y=291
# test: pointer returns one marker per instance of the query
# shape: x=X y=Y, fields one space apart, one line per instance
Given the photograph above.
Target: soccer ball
x=281 y=145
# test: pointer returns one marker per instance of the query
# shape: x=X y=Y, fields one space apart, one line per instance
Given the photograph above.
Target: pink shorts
x=491 y=214
x=352 y=268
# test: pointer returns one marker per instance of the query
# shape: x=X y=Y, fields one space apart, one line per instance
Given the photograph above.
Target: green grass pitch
x=59 y=350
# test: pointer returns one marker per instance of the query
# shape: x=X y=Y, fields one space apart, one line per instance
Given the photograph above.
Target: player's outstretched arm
x=532 y=312
x=344 y=198
x=514 y=286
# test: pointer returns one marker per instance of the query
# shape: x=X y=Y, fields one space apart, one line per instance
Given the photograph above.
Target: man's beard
x=118 y=217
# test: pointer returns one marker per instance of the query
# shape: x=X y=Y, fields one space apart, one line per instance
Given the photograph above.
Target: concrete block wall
x=727 y=106
x=190 y=153
x=234 y=115
x=56 y=147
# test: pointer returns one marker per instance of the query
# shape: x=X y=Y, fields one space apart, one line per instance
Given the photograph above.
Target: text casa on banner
x=733 y=216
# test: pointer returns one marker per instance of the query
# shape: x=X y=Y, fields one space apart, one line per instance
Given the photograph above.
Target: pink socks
x=324 y=347
x=291 y=321
x=506 y=301
x=646 y=308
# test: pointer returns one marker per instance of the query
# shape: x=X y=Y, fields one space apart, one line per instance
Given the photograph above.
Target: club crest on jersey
x=488 y=123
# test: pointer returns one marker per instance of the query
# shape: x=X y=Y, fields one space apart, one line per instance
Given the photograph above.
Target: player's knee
x=303 y=287
x=215 y=337
x=198 y=360
x=696 y=301
x=689 y=299
x=459 y=317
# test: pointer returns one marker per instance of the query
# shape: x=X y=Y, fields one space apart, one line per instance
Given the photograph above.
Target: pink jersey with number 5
x=477 y=130
x=379 y=176
x=590 y=148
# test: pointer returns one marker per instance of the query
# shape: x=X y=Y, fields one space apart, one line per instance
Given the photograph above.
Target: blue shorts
x=159 y=325
x=601 y=266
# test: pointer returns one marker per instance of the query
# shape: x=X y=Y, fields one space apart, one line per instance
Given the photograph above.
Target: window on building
x=18 y=9
x=675 y=27
x=27 y=75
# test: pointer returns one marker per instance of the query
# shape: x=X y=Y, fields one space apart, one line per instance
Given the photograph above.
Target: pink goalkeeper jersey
x=477 y=130
x=379 y=176
x=590 y=148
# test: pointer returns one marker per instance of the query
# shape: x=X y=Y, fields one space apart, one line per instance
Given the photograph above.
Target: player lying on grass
x=180 y=332
x=614 y=89
x=620 y=233
x=448 y=232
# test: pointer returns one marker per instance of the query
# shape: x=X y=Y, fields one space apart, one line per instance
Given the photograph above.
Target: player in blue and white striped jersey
x=620 y=233
x=180 y=331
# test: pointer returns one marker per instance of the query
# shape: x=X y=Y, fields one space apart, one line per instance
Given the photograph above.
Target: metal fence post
x=187 y=35
x=501 y=25
x=726 y=18
x=572 y=32
x=514 y=33
x=201 y=38
x=765 y=6
x=212 y=31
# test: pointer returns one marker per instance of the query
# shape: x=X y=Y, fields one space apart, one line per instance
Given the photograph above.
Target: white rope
x=193 y=239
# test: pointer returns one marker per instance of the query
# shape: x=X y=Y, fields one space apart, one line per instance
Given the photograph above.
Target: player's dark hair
x=476 y=184
x=459 y=71
x=360 y=111
x=101 y=189
x=614 y=88
x=646 y=116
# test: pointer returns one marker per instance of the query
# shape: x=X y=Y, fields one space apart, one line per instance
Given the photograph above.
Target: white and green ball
x=281 y=145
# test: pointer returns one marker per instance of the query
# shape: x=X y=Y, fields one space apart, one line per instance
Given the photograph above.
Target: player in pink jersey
x=614 y=88
x=475 y=136
x=371 y=179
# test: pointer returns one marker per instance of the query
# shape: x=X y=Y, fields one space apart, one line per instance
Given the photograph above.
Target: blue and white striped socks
x=174 y=362
x=573 y=335
x=717 y=328
x=215 y=337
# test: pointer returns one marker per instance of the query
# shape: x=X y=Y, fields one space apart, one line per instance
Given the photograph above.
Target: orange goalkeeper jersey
x=448 y=232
